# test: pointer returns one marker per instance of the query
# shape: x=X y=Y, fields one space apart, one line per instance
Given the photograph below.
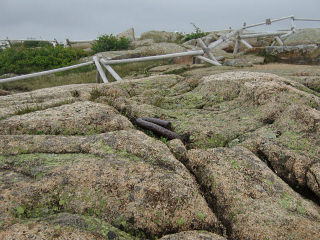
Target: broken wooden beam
x=160 y=122
x=206 y=50
x=244 y=42
x=100 y=70
x=161 y=131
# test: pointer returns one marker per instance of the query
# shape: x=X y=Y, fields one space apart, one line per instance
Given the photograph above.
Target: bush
x=34 y=44
x=25 y=60
x=198 y=33
x=110 y=43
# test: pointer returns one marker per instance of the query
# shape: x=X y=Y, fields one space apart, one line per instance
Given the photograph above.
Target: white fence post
x=100 y=70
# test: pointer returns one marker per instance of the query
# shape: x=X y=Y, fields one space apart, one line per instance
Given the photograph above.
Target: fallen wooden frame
x=239 y=35
x=196 y=53
x=157 y=127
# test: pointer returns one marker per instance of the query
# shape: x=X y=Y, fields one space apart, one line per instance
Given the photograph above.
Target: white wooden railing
x=239 y=35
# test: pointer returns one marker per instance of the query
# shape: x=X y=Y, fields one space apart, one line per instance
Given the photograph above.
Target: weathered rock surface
x=250 y=199
x=4 y=93
x=247 y=168
x=141 y=43
x=237 y=63
x=159 y=36
x=64 y=226
x=193 y=235
x=128 y=34
x=304 y=36
x=71 y=119
x=125 y=178
x=302 y=54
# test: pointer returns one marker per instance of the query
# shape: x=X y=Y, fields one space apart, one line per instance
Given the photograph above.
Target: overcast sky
x=87 y=19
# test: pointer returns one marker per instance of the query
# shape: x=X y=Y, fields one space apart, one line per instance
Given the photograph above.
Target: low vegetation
x=110 y=43
x=22 y=60
x=81 y=75
x=197 y=33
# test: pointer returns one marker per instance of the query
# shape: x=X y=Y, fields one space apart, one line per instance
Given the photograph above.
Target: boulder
x=251 y=199
x=124 y=178
x=142 y=43
x=69 y=119
x=73 y=164
x=237 y=63
x=301 y=54
x=159 y=36
x=4 y=93
x=128 y=34
x=64 y=226
x=211 y=37
x=304 y=37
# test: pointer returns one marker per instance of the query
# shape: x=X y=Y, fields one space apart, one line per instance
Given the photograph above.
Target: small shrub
x=34 y=44
x=110 y=43
x=95 y=93
x=25 y=60
x=75 y=93
x=198 y=33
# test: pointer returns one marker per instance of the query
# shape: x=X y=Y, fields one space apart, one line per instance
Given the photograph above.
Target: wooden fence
x=239 y=35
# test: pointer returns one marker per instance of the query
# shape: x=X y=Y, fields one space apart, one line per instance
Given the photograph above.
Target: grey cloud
x=82 y=19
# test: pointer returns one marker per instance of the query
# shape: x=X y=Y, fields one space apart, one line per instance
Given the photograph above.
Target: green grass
x=22 y=60
x=81 y=75
x=50 y=81
x=38 y=107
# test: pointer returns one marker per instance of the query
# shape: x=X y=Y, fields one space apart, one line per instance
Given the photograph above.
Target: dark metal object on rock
x=161 y=131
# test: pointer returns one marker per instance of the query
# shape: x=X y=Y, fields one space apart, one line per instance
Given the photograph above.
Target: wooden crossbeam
x=216 y=63
x=279 y=41
x=206 y=50
x=244 y=42
x=112 y=72
x=100 y=70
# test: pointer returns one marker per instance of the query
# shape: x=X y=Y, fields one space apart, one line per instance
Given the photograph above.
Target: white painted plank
x=236 y=47
x=244 y=42
x=31 y=75
x=100 y=70
x=279 y=41
x=262 y=35
x=113 y=73
x=206 y=49
x=150 y=58
x=209 y=61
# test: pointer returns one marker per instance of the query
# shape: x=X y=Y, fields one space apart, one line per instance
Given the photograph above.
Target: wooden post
x=68 y=43
x=293 y=27
x=279 y=41
x=9 y=43
x=100 y=70
x=236 y=45
x=56 y=43
x=215 y=63
x=244 y=42
x=206 y=49
x=98 y=77
x=113 y=72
